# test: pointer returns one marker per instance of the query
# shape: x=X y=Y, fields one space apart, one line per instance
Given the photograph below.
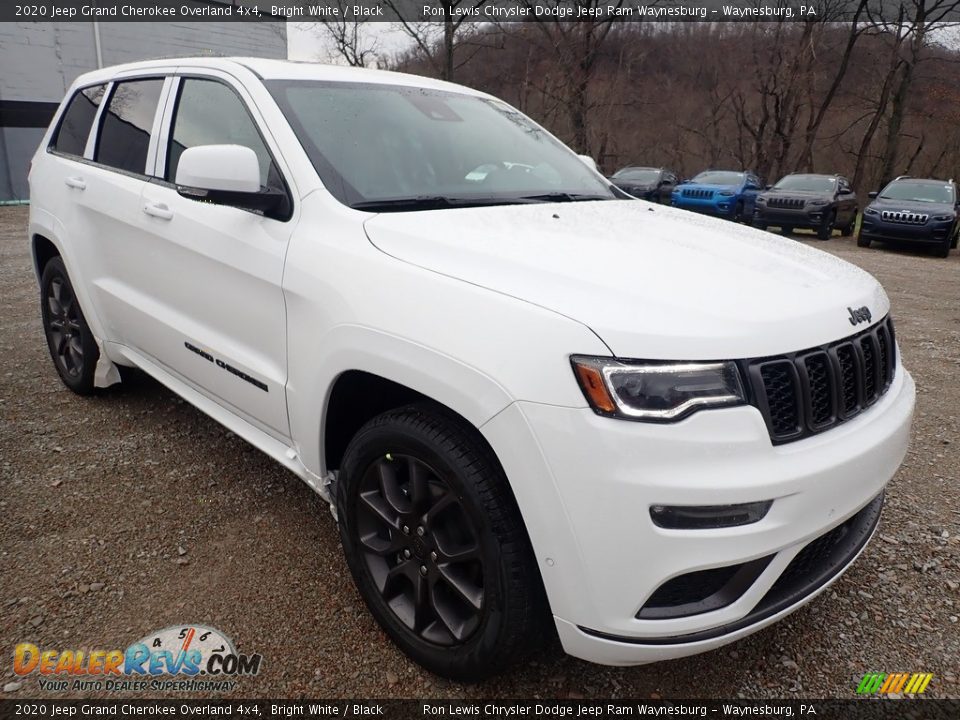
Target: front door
x=214 y=273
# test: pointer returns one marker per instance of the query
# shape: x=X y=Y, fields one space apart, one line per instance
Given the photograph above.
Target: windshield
x=643 y=175
x=931 y=192
x=808 y=183
x=719 y=177
x=387 y=147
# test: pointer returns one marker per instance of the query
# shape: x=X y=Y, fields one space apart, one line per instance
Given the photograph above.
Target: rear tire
x=72 y=347
x=847 y=230
x=436 y=544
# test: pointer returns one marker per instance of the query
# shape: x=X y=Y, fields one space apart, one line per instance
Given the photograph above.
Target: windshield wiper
x=564 y=197
x=431 y=202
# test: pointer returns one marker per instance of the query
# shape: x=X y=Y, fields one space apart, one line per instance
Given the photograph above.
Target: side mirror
x=225 y=175
x=767 y=187
x=589 y=162
x=872 y=195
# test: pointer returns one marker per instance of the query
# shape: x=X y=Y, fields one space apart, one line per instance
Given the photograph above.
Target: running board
x=276 y=449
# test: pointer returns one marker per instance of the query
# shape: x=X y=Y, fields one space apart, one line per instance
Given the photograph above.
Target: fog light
x=706 y=517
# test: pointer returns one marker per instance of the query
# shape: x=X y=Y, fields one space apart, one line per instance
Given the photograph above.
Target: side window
x=210 y=113
x=125 y=130
x=71 y=136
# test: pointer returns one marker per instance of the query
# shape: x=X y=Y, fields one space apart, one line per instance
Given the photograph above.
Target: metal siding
x=41 y=60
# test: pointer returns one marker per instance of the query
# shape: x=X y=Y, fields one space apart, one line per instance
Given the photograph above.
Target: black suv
x=817 y=202
x=646 y=183
x=914 y=210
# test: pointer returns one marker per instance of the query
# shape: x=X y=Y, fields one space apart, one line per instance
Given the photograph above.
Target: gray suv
x=818 y=202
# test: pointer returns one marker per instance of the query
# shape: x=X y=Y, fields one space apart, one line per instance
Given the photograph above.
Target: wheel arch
x=42 y=250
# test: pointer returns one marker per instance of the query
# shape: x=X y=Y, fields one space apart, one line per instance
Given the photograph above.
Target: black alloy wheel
x=826 y=226
x=436 y=544
x=72 y=346
x=420 y=548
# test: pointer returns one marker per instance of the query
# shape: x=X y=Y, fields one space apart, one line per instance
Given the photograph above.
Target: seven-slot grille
x=904 y=217
x=696 y=193
x=811 y=391
x=785 y=203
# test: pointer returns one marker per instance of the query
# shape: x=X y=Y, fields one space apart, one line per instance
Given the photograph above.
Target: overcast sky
x=309 y=41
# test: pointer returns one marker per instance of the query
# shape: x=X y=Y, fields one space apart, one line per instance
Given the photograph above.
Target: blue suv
x=724 y=193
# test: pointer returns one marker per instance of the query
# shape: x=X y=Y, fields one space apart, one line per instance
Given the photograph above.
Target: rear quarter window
x=74 y=129
x=125 y=131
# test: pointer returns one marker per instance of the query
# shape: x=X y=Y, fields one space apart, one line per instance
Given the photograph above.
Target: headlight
x=870 y=211
x=761 y=200
x=943 y=218
x=656 y=392
x=818 y=203
x=727 y=193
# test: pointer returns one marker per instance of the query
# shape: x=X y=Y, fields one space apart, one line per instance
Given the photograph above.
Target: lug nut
x=423 y=569
x=406 y=530
x=406 y=553
x=420 y=531
x=433 y=556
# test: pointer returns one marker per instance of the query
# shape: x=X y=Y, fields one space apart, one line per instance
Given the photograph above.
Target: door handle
x=158 y=210
x=76 y=182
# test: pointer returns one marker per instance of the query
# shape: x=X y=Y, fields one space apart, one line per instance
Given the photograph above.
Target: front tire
x=72 y=347
x=436 y=545
x=862 y=241
x=826 y=227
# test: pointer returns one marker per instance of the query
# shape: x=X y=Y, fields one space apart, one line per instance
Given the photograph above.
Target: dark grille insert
x=696 y=193
x=820 y=383
x=807 y=392
x=849 y=378
x=785 y=203
x=780 y=389
x=702 y=591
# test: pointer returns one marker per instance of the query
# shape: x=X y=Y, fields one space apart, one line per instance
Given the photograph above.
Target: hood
x=653 y=282
x=929 y=208
x=799 y=194
x=704 y=186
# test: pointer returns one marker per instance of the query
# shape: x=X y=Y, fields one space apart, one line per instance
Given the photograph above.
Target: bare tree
x=438 y=40
x=913 y=27
x=350 y=43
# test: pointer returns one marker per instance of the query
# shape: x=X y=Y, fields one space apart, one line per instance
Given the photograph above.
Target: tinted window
x=75 y=127
x=210 y=113
x=125 y=131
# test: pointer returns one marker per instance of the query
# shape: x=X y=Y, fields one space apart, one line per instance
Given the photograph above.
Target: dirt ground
x=131 y=511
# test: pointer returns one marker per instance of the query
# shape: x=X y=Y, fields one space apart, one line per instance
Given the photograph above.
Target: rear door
x=211 y=275
x=108 y=205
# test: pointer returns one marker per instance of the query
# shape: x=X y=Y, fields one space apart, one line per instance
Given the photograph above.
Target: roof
x=281 y=69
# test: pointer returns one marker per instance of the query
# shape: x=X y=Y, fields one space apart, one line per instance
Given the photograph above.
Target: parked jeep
x=913 y=210
x=536 y=408
x=817 y=202
x=646 y=183
x=724 y=193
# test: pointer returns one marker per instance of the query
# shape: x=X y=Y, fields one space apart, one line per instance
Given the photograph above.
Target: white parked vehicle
x=529 y=400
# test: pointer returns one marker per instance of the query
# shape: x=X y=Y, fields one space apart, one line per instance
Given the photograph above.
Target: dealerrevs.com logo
x=892 y=683
x=180 y=657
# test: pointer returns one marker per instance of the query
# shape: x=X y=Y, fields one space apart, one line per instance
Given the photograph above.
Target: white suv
x=526 y=396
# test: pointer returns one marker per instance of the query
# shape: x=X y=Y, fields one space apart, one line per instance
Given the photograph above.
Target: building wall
x=41 y=60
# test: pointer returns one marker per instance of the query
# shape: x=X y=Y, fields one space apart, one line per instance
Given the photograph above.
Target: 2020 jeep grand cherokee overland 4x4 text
x=523 y=397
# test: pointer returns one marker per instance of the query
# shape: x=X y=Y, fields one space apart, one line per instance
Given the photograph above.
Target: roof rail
x=902 y=177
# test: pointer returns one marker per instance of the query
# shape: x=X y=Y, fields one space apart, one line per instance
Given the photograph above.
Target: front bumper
x=934 y=231
x=720 y=206
x=586 y=494
x=778 y=217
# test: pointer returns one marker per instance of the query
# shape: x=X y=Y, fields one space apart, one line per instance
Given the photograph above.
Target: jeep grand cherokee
x=530 y=403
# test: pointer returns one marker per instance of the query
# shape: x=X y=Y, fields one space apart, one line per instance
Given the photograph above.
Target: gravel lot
x=132 y=511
